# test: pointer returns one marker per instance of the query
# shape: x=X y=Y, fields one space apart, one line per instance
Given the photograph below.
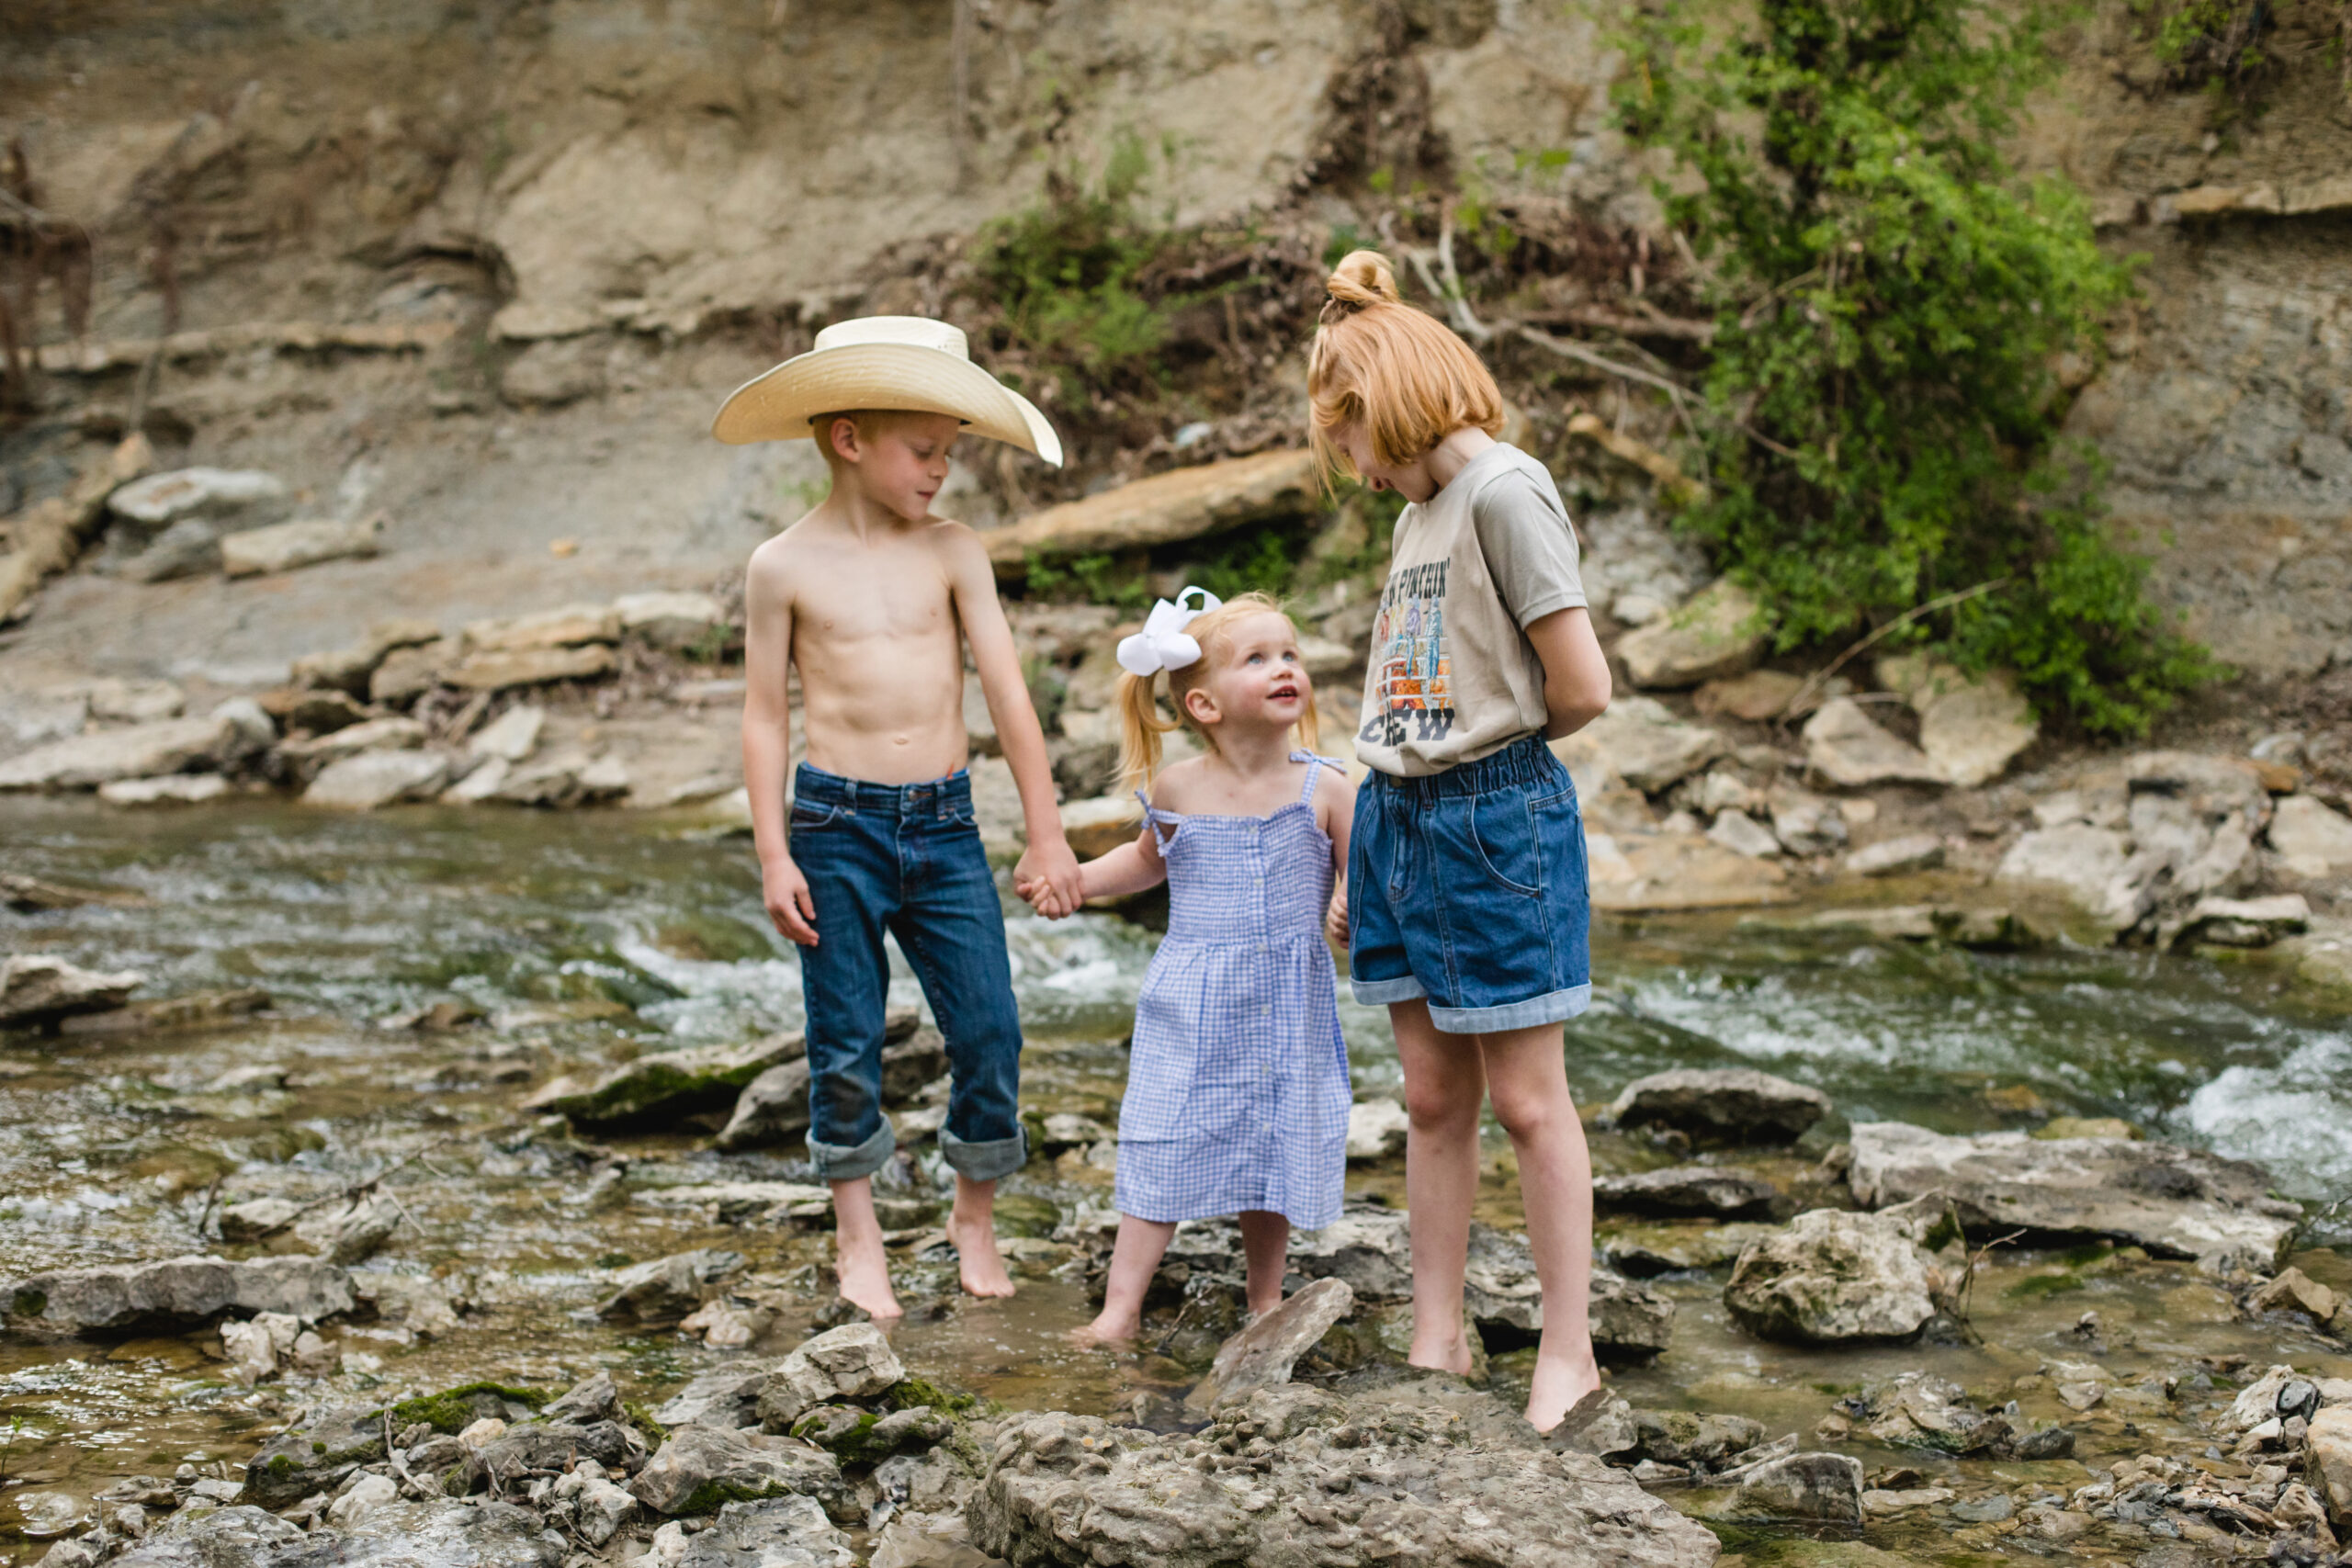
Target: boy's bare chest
x=888 y=601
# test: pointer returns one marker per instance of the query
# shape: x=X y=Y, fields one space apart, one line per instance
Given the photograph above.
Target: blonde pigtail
x=1140 y=727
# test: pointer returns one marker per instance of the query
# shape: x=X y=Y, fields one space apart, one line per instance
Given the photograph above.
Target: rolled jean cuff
x=984 y=1161
x=1379 y=993
x=1555 y=1006
x=836 y=1163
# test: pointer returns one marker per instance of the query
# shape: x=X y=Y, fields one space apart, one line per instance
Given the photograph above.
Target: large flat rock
x=1736 y=1105
x=1400 y=1484
x=134 y=751
x=37 y=989
x=2176 y=1202
x=177 y=1290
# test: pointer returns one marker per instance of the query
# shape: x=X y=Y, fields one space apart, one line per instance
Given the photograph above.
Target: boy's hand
x=1052 y=871
x=1335 y=918
x=785 y=892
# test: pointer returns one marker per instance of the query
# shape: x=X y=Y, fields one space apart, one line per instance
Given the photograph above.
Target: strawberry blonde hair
x=1399 y=371
x=1141 y=723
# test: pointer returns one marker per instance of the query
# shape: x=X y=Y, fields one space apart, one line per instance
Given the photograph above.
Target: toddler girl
x=1467 y=906
x=1238 y=1093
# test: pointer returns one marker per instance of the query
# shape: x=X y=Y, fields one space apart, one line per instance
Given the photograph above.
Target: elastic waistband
x=1526 y=761
x=814 y=785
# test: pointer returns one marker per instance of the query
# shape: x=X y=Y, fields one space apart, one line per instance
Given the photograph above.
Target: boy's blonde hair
x=1141 y=723
x=1401 y=372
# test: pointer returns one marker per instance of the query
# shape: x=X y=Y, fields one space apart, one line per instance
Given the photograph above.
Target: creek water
x=588 y=939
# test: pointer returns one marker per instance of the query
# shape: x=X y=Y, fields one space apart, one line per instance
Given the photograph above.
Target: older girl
x=1466 y=900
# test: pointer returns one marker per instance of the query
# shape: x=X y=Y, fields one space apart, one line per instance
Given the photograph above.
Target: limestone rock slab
x=1072 y=1490
x=702 y=1466
x=1709 y=637
x=136 y=751
x=177 y=1290
x=1829 y=1277
x=841 y=1365
x=37 y=989
x=1845 y=748
x=2176 y=1202
x=1261 y=1355
x=284 y=547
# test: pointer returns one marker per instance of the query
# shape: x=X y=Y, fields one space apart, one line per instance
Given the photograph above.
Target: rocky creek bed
x=442 y=1098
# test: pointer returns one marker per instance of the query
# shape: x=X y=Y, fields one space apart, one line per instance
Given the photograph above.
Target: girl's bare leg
x=1265 y=1241
x=1445 y=1086
x=1134 y=1258
x=1527 y=1073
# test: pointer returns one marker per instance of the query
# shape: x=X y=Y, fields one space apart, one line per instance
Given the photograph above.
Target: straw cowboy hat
x=883 y=362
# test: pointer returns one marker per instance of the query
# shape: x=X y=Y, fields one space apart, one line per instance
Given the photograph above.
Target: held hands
x=1335 y=918
x=1048 y=876
x=785 y=892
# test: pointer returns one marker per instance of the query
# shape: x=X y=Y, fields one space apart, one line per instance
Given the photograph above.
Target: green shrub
x=1893 y=303
x=1066 y=275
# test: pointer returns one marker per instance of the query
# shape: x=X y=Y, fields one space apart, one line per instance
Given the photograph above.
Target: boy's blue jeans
x=904 y=859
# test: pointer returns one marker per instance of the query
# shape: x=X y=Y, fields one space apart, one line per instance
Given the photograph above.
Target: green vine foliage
x=1891 y=303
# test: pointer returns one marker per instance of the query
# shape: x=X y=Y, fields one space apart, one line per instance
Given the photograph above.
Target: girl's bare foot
x=1560 y=1380
x=1109 y=1330
x=1441 y=1352
x=978 y=1263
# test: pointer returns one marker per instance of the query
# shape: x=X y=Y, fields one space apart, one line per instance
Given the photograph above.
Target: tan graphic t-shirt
x=1453 y=676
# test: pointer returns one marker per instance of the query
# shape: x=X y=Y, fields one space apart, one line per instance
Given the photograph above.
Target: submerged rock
x=36 y=988
x=1324 y=1482
x=841 y=1365
x=1261 y=1355
x=1736 y=1105
x=2174 y=1202
x=1826 y=1487
x=701 y=1468
x=1830 y=1276
x=178 y=1289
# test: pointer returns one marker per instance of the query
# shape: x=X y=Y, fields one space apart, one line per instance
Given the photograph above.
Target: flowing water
x=585 y=940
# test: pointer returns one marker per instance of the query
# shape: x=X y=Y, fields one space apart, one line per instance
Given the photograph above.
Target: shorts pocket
x=1503 y=834
x=806 y=816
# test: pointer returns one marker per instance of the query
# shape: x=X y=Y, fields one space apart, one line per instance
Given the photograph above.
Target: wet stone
x=1685 y=1190
x=841 y=1365
x=315 y=1455
x=725 y=1396
x=700 y=1468
x=178 y=1289
x=1722 y=1104
x=1322 y=1480
x=2176 y=1202
x=783 y=1532
x=667 y=1289
x=36 y=988
x=1261 y=1355
x=860 y=1437
x=1830 y=1276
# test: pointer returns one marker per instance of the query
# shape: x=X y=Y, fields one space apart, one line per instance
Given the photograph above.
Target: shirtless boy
x=873 y=600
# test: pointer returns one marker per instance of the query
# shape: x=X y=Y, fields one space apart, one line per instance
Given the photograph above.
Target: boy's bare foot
x=866 y=1285
x=978 y=1262
x=1560 y=1380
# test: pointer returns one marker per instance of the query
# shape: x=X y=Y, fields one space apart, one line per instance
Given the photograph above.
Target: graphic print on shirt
x=1412 y=680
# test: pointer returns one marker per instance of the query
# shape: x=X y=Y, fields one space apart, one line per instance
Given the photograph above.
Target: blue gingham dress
x=1237 y=1081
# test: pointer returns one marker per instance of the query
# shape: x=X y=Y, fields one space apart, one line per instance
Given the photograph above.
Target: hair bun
x=1362 y=278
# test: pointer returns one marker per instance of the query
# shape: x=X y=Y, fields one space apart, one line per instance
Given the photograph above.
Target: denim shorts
x=906 y=860
x=1468 y=888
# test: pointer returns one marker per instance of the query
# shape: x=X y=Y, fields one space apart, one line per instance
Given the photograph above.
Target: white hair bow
x=1163 y=644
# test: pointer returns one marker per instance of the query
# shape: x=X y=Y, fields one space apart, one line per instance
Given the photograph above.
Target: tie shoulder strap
x=1314 y=773
x=1155 y=817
